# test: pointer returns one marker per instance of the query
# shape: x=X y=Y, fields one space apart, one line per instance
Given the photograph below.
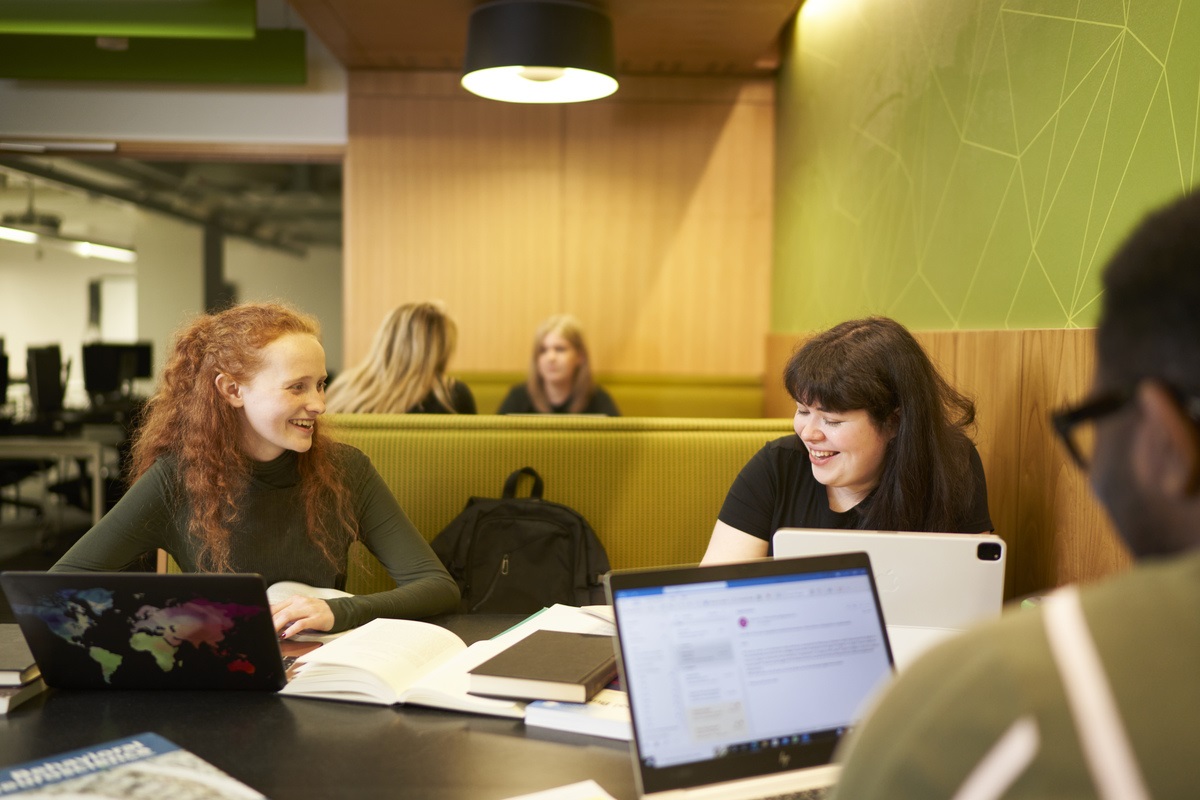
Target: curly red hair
x=186 y=418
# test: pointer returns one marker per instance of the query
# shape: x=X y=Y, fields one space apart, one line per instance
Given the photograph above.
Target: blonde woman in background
x=560 y=375
x=405 y=372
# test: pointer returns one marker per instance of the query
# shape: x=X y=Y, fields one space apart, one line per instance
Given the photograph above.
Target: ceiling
x=295 y=206
x=651 y=37
x=290 y=207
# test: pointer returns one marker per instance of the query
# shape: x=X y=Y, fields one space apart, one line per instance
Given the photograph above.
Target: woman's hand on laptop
x=298 y=613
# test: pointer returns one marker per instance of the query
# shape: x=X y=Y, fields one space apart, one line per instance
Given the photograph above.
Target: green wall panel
x=973 y=163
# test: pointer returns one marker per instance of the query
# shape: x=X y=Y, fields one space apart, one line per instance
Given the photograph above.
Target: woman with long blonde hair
x=233 y=473
x=405 y=371
x=560 y=375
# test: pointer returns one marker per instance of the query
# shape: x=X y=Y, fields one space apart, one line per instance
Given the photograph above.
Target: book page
x=557 y=617
x=396 y=651
x=446 y=686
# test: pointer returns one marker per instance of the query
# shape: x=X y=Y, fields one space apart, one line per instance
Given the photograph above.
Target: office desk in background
x=61 y=449
x=293 y=748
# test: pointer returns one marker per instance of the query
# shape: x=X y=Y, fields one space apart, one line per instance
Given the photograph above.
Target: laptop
x=932 y=585
x=743 y=678
x=144 y=630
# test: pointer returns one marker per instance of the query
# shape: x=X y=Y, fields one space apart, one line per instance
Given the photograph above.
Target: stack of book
x=555 y=670
x=403 y=662
x=20 y=678
x=569 y=679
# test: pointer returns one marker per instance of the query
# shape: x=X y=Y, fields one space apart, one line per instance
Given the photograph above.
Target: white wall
x=44 y=291
x=312 y=283
x=170 y=278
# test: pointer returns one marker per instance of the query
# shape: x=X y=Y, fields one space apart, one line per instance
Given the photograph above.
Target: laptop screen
x=746 y=669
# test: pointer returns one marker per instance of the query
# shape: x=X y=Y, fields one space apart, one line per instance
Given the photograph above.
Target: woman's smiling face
x=281 y=403
x=846 y=450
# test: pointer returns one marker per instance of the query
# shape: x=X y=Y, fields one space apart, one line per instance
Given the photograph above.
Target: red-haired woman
x=232 y=473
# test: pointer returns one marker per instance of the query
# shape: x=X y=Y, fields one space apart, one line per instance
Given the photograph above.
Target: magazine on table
x=141 y=767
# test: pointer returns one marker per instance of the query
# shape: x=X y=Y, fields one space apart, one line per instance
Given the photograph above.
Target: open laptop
x=743 y=678
x=144 y=630
x=932 y=585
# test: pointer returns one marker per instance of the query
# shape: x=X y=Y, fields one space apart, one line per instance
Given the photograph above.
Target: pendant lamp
x=539 y=51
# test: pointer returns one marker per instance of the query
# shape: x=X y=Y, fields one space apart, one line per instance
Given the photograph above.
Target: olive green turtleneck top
x=270 y=537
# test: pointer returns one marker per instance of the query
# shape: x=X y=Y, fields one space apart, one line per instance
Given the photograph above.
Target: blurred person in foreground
x=1095 y=693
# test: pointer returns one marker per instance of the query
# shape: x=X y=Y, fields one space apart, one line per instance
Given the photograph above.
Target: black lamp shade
x=565 y=39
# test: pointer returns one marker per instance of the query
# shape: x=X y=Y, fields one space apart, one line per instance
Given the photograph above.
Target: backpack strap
x=1102 y=735
x=510 y=483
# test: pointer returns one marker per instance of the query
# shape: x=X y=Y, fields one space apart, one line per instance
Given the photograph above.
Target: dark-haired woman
x=881 y=444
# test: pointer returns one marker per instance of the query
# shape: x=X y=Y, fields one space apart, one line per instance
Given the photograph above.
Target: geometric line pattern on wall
x=974 y=164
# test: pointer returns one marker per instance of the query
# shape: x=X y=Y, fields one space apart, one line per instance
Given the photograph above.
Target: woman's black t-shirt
x=518 y=401
x=776 y=489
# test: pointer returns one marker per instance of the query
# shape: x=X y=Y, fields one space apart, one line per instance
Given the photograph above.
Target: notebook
x=743 y=678
x=932 y=585
x=144 y=630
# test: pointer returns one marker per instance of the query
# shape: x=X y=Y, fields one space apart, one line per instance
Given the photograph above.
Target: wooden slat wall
x=1055 y=530
x=647 y=215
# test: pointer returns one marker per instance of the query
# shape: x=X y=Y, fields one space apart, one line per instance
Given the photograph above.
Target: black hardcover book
x=548 y=665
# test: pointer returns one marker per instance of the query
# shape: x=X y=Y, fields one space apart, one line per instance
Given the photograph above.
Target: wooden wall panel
x=1067 y=529
x=986 y=366
x=647 y=215
x=1055 y=529
x=667 y=221
x=451 y=200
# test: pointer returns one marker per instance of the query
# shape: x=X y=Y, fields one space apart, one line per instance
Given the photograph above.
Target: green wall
x=968 y=164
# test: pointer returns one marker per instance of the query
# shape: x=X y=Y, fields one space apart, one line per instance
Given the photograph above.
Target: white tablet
x=931 y=585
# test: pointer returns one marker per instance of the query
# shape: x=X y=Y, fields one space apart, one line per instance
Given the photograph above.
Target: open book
x=397 y=662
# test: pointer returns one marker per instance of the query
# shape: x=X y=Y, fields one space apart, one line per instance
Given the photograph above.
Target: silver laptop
x=932 y=585
x=743 y=678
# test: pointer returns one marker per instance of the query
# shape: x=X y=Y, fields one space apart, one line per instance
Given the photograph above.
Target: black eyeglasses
x=1075 y=425
x=1080 y=438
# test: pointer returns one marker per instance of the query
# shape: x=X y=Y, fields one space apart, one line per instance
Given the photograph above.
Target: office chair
x=47 y=383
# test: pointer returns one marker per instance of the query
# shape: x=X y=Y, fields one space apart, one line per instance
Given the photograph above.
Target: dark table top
x=295 y=748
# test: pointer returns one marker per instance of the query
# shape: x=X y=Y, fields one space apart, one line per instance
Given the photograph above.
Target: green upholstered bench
x=645 y=395
x=650 y=487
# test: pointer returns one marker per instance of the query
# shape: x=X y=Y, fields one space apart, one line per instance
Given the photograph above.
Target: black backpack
x=521 y=554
